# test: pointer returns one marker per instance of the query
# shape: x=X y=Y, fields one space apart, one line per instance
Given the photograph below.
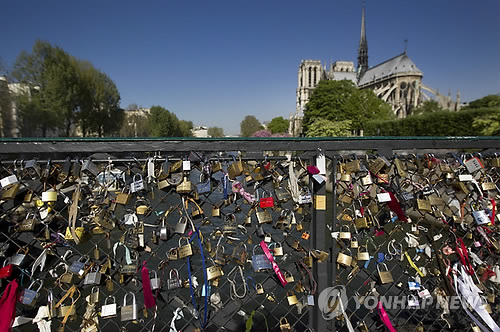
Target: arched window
x=309 y=76
x=315 y=69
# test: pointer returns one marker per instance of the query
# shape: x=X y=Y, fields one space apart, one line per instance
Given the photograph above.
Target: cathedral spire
x=363 y=46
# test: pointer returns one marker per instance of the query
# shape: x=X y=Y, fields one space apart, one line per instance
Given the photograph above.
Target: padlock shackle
x=125 y=299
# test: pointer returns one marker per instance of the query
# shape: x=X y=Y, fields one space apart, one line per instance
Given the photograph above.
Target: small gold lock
x=361 y=223
x=259 y=289
x=363 y=255
x=344 y=260
x=289 y=276
x=278 y=250
x=292 y=299
x=213 y=272
x=385 y=276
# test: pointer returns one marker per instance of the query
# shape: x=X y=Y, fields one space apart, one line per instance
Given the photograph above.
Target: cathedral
x=397 y=81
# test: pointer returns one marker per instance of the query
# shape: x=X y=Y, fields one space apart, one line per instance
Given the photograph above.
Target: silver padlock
x=155 y=281
x=129 y=312
x=29 y=295
x=109 y=310
x=93 y=277
x=260 y=262
x=180 y=228
x=18 y=258
x=480 y=217
x=163 y=231
x=8 y=180
x=89 y=168
x=137 y=184
x=173 y=281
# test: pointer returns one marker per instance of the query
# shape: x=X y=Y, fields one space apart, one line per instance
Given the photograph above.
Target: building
x=397 y=81
x=200 y=131
x=9 y=119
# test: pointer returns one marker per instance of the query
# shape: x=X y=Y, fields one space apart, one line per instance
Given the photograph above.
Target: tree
x=487 y=101
x=327 y=128
x=342 y=100
x=278 y=125
x=249 y=125
x=135 y=125
x=488 y=125
x=262 y=133
x=215 y=132
x=166 y=124
x=428 y=106
x=185 y=128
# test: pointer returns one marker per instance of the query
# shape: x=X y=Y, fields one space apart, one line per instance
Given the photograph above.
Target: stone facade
x=397 y=81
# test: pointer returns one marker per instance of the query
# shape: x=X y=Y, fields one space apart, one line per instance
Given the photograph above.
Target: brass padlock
x=184 y=187
x=363 y=255
x=173 y=254
x=185 y=250
x=213 y=272
x=354 y=242
x=308 y=260
x=424 y=205
x=344 y=235
x=292 y=299
x=278 y=249
x=284 y=325
x=215 y=211
x=344 y=260
x=288 y=276
x=259 y=289
x=385 y=276
x=361 y=223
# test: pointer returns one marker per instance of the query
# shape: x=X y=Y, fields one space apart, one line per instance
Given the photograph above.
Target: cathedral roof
x=397 y=65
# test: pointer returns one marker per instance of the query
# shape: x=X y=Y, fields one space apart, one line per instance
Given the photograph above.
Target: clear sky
x=213 y=62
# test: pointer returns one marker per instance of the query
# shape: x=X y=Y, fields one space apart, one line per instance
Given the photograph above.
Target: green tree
x=215 y=132
x=278 y=125
x=135 y=125
x=487 y=101
x=428 y=106
x=327 y=128
x=163 y=123
x=249 y=125
x=488 y=125
x=185 y=128
x=342 y=100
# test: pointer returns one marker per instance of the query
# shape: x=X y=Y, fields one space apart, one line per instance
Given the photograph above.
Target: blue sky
x=213 y=62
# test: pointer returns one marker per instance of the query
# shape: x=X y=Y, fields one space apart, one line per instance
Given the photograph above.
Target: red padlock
x=266 y=202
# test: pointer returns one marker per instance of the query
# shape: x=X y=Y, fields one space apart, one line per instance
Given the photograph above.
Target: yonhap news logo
x=332 y=301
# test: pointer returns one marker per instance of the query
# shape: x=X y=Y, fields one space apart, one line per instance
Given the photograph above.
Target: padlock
x=185 y=250
x=214 y=272
x=385 y=276
x=137 y=184
x=413 y=301
x=154 y=281
x=267 y=238
x=28 y=295
x=480 y=216
x=181 y=225
x=28 y=224
x=109 y=310
x=354 y=241
x=95 y=295
x=259 y=289
x=363 y=327
x=89 y=168
x=424 y=205
x=163 y=231
x=260 y=262
x=215 y=211
x=363 y=255
x=49 y=196
x=361 y=223
x=264 y=217
x=67 y=310
x=278 y=249
x=383 y=197
x=173 y=254
x=235 y=169
x=288 y=276
x=79 y=232
x=129 y=311
x=475 y=328
x=292 y=298
x=220 y=257
x=123 y=197
x=184 y=187
x=284 y=325
x=305 y=235
x=308 y=260
x=93 y=277
x=260 y=231
x=8 y=180
x=344 y=235
x=344 y=260
x=173 y=281
x=78 y=267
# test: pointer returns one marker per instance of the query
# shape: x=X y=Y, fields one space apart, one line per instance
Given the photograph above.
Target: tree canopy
x=163 y=123
x=487 y=101
x=250 y=125
x=342 y=100
x=215 y=132
x=278 y=125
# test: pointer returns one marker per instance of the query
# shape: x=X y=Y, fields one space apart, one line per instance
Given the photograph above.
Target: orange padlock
x=306 y=235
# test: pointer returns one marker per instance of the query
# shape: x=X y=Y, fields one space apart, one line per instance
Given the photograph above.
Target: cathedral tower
x=363 y=47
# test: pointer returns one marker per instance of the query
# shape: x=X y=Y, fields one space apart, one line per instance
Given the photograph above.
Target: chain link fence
x=358 y=212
